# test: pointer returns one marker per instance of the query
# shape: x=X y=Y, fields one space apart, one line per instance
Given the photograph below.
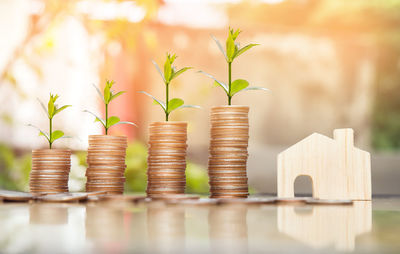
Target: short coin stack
x=166 y=163
x=228 y=152
x=106 y=164
x=50 y=171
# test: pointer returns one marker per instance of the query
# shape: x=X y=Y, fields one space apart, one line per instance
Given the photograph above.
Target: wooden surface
x=338 y=170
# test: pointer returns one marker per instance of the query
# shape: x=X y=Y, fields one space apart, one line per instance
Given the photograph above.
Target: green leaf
x=43 y=107
x=189 y=106
x=230 y=48
x=238 y=85
x=126 y=122
x=61 y=109
x=41 y=133
x=98 y=92
x=256 y=88
x=244 y=49
x=50 y=107
x=158 y=69
x=159 y=102
x=112 y=120
x=176 y=74
x=107 y=92
x=219 y=46
x=167 y=71
x=170 y=58
x=97 y=118
x=174 y=104
x=224 y=86
x=116 y=95
x=237 y=47
x=234 y=33
x=56 y=135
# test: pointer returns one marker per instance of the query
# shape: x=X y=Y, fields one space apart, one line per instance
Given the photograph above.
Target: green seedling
x=51 y=111
x=232 y=51
x=107 y=96
x=170 y=73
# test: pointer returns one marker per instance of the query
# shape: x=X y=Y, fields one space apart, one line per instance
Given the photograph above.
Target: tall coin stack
x=228 y=152
x=50 y=171
x=166 y=163
x=106 y=164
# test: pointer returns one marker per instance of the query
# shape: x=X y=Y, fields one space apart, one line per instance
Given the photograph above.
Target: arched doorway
x=303 y=186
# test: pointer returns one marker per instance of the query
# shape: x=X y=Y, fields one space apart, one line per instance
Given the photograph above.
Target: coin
x=107 y=167
x=47 y=152
x=295 y=200
x=63 y=197
x=166 y=158
x=91 y=188
x=329 y=202
x=106 y=163
x=175 y=197
x=229 y=196
x=15 y=196
x=92 y=175
x=248 y=201
x=50 y=171
x=229 y=134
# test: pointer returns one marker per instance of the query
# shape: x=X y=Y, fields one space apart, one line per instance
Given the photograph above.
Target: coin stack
x=228 y=152
x=106 y=164
x=167 y=159
x=50 y=171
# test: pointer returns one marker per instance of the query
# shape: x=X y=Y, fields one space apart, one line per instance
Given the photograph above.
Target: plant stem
x=106 y=118
x=167 y=100
x=230 y=81
x=51 y=132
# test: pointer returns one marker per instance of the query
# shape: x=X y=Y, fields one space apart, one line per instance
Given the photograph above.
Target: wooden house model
x=338 y=170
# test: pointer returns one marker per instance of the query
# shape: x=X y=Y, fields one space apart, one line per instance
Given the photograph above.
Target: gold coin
x=329 y=201
x=176 y=197
x=296 y=200
x=51 y=151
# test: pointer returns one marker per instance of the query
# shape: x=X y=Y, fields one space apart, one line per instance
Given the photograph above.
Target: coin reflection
x=48 y=213
x=166 y=229
x=325 y=226
x=104 y=223
x=228 y=229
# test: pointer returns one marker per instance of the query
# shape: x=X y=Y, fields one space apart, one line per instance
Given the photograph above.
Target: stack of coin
x=50 y=171
x=167 y=159
x=228 y=152
x=106 y=164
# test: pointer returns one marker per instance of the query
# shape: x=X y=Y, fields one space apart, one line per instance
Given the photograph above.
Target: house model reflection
x=338 y=169
x=326 y=226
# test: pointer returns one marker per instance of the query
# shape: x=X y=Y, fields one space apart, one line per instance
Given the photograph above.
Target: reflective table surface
x=156 y=227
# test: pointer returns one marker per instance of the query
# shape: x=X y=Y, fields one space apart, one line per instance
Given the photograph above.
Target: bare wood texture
x=338 y=169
